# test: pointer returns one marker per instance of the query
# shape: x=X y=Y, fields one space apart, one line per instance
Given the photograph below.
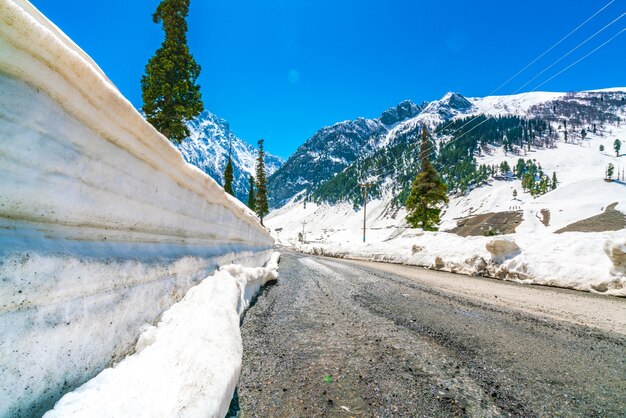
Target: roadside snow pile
x=186 y=366
x=616 y=251
x=103 y=225
x=502 y=249
x=571 y=260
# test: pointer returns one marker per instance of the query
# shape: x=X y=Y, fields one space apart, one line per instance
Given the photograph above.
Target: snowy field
x=103 y=226
x=188 y=364
x=577 y=260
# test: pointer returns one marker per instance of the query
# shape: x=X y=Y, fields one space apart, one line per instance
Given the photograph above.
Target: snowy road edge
x=188 y=364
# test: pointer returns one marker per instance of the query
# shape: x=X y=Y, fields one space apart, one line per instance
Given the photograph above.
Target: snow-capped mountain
x=207 y=148
x=332 y=149
x=351 y=148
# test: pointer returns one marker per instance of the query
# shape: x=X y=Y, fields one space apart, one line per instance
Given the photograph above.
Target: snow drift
x=187 y=365
x=575 y=260
x=103 y=225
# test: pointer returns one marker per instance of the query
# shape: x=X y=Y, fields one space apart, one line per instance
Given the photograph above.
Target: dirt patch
x=545 y=217
x=488 y=224
x=611 y=220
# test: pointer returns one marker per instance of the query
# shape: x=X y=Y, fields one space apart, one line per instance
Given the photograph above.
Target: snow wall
x=103 y=226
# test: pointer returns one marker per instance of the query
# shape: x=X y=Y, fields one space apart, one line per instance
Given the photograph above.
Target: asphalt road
x=338 y=338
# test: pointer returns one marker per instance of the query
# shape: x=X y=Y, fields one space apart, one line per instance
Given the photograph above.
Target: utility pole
x=303 y=236
x=364 y=188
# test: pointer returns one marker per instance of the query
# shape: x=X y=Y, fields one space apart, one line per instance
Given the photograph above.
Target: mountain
x=332 y=149
x=464 y=130
x=466 y=135
x=207 y=148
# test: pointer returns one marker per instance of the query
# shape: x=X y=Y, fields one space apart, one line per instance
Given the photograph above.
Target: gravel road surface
x=340 y=338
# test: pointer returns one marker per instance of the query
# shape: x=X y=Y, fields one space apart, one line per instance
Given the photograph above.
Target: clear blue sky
x=282 y=69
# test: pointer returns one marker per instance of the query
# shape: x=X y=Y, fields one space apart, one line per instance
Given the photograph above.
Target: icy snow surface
x=185 y=366
x=103 y=225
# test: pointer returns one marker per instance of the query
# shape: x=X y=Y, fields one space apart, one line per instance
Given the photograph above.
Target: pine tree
x=261 y=205
x=251 y=197
x=504 y=168
x=170 y=94
x=228 y=177
x=554 y=181
x=610 y=170
x=617 y=145
x=427 y=192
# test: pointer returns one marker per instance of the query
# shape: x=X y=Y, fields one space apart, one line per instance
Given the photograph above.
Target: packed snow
x=103 y=225
x=578 y=260
x=185 y=366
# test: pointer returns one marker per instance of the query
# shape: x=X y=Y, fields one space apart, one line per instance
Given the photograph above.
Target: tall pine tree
x=261 y=205
x=251 y=196
x=170 y=94
x=228 y=177
x=427 y=193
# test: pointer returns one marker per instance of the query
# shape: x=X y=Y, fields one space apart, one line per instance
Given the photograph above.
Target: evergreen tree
x=601 y=148
x=228 y=177
x=427 y=192
x=554 y=181
x=583 y=134
x=610 y=170
x=504 y=168
x=261 y=205
x=617 y=145
x=251 y=197
x=170 y=94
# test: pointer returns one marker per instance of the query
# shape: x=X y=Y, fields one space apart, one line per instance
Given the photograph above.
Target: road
x=340 y=338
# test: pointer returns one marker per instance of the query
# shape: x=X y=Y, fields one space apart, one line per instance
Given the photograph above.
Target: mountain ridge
x=451 y=106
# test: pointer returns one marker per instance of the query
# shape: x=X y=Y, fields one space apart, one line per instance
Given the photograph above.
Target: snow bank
x=186 y=366
x=571 y=260
x=103 y=225
x=616 y=251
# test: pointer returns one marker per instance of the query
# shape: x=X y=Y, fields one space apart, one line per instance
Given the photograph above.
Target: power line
x=570 y=52
x=538 y=86
x=582 y=58
x=488 y=117
x=554 y=63
x=552 y=47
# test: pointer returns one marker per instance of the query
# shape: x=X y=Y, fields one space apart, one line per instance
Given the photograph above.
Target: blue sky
x=282 y=69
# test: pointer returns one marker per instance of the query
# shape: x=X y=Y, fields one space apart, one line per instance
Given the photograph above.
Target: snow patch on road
x=185 y=366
